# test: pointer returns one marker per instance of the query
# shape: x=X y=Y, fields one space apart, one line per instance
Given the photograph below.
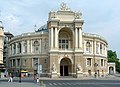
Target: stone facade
x=1 y=42
x=60 y=47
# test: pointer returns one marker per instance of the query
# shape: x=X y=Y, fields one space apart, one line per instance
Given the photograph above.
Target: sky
x=101 y=17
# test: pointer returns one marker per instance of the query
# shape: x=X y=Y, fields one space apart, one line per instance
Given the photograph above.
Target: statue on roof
x=64 y=7
x=78 y=15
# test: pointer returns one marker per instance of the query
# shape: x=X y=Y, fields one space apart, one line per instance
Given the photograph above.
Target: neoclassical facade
x=1 y=42
x=60 y=47
x=1 y=46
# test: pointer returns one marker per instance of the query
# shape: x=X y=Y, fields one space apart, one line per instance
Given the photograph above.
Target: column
x=16 y=48
x=84 y=46
x=12 y=50
x=31 y=46
x=91 y=47
x=80 y=37
x=56 y=38
x=40 y=45
x=51 y=37
x=16 y=63
x=103 y=63
x=22 y=46
x=105 y=50
x=99 y=48
x=94 y=47
x=76 y=38
x=28 y=46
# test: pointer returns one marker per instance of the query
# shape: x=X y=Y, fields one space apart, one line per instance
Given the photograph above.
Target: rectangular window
x=63 y=41
x=101 y=62
x=89 y=61
x=14 y=62
x=11 y=63
x=18 y=62
x=24 y=62
x=35 y=61
x=63 y=44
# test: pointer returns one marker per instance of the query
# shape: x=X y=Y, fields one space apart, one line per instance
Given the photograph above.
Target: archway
x=111 y=70
x=65 y=38
x=65 y=67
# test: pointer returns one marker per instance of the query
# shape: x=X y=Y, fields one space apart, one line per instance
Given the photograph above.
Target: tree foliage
x=112 y=57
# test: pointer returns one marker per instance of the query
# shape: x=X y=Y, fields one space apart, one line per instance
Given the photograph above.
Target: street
x=64 y=82
x=83 y=83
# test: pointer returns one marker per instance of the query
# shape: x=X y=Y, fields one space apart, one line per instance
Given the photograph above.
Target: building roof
x=8 y=34
x=42 y=28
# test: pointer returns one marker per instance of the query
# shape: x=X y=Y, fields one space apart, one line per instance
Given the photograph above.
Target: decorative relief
x=78 y=15
x=79 y=68
x=66 y=25
x=53 y=68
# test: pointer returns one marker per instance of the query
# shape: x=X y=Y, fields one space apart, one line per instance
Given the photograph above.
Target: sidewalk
x=16 y=84
x=109 y=77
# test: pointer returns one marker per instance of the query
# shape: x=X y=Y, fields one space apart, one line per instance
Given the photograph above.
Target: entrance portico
x=65 y=67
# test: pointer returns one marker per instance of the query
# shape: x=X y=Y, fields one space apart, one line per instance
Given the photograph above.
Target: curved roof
x=42 y=28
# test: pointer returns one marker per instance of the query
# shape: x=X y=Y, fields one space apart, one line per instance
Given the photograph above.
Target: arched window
x=14 y=48
x=36 y=46
x=19 y=48
x=88 y=46
x=101 y=48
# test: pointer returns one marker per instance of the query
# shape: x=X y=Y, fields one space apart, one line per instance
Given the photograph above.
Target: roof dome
x=43 y=28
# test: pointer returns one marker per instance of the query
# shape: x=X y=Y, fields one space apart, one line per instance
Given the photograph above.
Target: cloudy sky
x=101 y=16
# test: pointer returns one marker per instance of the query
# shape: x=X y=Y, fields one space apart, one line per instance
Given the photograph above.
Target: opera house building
x=60 y=47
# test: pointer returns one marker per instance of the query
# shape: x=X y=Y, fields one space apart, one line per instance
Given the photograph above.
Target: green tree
x=112 y=57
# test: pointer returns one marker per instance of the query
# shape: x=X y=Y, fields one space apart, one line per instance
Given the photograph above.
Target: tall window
x=14 y=49
x=88 y=61
x=19 y=48
x=11 y=63
x=35 y=61
x=14 y=64
x=101 y=62
x=18 y=62
x=88 y=47
x=36 y=46
x=24 y=62
x=101 y=48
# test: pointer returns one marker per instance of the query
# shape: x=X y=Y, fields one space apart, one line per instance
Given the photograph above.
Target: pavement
x=109 y=77
x=23 y=84
x=108 y=81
